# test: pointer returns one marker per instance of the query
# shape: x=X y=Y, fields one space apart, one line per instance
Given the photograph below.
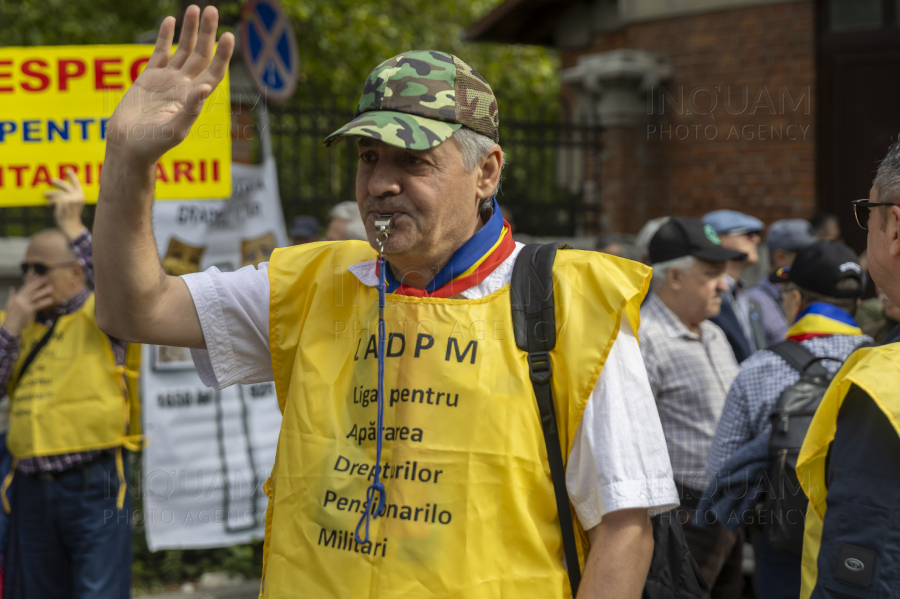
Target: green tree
x=59 y=22
x=341 y=41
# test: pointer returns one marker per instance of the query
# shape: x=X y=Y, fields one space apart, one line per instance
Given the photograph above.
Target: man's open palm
x=160 y=107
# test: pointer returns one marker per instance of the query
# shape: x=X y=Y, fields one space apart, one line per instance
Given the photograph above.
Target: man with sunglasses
x=849 y=465
x=64 y=378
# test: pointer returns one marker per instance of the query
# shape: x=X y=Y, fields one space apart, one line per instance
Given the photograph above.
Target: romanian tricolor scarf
x=820 y=320
x=469 y=265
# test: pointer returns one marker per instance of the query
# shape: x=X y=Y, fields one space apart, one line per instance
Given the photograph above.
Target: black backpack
x=674 y=573
x=783 y=515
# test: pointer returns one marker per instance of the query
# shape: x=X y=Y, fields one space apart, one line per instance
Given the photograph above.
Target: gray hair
x=642 y=241
x=887 y=180
x=349 y=211
x=475 y=147
x=661 y=269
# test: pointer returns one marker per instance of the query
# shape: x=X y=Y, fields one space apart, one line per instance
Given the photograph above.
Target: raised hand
x=32 y=297
x=67 y=202
x=160 y=107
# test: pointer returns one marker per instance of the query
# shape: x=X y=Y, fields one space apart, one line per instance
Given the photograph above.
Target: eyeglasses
x=861 y=210
x=40 y=269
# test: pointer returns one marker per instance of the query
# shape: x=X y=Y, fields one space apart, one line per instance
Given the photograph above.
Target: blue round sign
x=269 y=49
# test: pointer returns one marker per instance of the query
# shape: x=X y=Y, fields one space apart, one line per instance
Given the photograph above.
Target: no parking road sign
x=269 y=49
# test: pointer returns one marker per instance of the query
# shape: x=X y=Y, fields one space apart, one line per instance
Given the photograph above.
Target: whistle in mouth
x=384 y=224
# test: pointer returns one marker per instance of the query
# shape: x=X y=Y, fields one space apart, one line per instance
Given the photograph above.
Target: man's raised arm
x=136 y=300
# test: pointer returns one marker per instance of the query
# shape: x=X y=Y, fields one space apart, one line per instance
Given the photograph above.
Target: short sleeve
x=619 y=458
x=234 y=314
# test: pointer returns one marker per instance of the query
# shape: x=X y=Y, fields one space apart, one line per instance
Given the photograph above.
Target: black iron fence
x=23 y=222
x=550 y=182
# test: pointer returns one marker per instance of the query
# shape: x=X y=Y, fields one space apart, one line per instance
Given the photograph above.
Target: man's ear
x=489 y=173
x=673 y=277
x=893 y=231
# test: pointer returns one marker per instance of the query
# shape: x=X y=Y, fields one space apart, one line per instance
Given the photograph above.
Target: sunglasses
x=861 y=211
x=40 y=269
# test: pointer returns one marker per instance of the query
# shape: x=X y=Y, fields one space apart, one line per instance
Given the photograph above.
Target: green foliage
x=58 y=22
x=160 y=570
x=341 y=41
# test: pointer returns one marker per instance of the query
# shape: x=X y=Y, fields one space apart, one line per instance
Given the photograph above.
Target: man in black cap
x=690 y=366
x=823 y=288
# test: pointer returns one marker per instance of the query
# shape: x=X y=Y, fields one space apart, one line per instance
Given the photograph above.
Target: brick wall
x=754 y=153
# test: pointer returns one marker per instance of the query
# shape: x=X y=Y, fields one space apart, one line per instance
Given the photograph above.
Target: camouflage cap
x=417 y=100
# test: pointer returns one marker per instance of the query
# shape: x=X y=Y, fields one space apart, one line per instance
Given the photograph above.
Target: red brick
x=772 y=47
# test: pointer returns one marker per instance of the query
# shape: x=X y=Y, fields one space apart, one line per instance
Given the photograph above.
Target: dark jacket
x=893 y=336
x=863 y=494
x=736 y=488
x=734 y=332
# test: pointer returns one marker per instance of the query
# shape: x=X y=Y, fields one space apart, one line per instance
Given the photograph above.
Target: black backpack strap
x=34 y=353
x=798 y=357
x=534 y=326
x=534 y=323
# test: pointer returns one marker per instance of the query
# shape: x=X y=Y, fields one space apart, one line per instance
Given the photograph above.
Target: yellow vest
x=470 y=507
x=73 y=397
x=876 y=371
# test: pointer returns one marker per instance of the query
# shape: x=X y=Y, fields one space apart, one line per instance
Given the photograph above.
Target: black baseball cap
x=681 y=237
x=821 y=266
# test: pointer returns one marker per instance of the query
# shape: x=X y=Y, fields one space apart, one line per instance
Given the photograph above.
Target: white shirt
x=619 y=458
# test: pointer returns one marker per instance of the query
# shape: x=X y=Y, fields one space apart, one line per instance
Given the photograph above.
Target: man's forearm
x=136 y=300
x=621 y=550
x=126 y=263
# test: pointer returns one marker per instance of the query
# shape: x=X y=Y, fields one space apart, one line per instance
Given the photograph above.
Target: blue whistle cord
x=377 y=486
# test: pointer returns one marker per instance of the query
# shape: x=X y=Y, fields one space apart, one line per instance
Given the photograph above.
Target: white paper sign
x=210 y=451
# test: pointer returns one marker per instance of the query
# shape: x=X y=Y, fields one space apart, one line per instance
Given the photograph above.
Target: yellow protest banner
x=55 y=102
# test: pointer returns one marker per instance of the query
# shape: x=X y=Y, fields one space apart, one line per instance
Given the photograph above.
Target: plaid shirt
x=752 y=397
x=689 y=374
x=9 y=352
